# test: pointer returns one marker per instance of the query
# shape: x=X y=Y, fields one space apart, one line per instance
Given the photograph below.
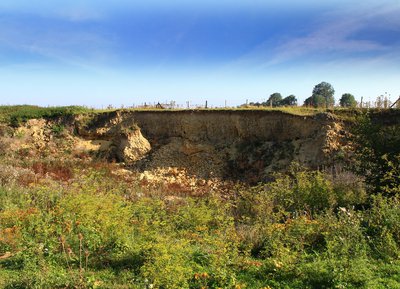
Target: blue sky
x=124 y=52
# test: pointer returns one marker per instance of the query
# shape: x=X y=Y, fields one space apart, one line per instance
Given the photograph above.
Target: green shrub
x=58 y=129
x=16 y=115
x=377 y=155
x=383 y=227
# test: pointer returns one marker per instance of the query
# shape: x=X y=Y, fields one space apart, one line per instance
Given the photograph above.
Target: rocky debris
x=131 y=146
x=176 y=181
x=202 y=160
x=92 y=145
x=30 y=139
x=125 y=174
x=336 y=140
x=122 y=172
x=35 y=133
x=121 y=137
x=190 y=148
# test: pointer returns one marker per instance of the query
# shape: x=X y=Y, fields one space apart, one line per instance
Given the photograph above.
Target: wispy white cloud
x=334 y=36
x=55 y=42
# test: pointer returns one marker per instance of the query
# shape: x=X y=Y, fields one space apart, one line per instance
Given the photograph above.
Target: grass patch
x=17 y=114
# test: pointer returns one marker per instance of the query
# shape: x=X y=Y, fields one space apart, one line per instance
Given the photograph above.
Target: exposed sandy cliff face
x=241 y=144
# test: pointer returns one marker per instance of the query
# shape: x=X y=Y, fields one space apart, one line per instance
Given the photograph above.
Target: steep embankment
x=241 y=144
x=238 y=144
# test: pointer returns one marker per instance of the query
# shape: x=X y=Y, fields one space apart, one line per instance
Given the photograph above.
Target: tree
x=348 y=100
x=308 y=101
x=377 y=155
x=315 y=101
x=322 y=96
x=290 y=100
x=274 y=99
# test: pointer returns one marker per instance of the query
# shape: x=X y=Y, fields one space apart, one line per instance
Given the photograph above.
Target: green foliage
x=304 y=191
x=322 y=96
x=290 y=100
x=60 y=238
x=302 y=227
x=347 y=100
x=312 y=191
x=274 y=99
x=377 y=155
x=384 y=227
x=300 y=230
x=58 y=129
x=15 y=115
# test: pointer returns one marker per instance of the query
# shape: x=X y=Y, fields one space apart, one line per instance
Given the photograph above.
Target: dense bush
x=377 y=154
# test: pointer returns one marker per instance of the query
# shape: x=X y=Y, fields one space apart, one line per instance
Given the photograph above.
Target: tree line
x=322 y=96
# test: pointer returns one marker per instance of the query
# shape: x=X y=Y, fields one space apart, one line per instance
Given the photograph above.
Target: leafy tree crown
x=347 y=100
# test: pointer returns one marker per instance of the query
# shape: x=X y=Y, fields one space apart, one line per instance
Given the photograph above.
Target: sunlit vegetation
x=76 y=224
x=86 y=229
x=17 y=114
